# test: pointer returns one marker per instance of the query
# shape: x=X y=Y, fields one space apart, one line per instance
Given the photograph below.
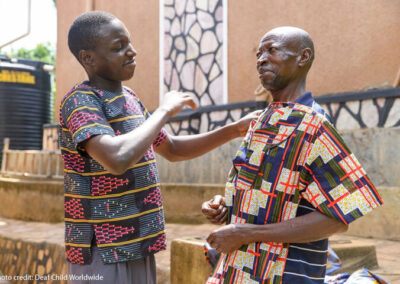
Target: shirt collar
x=305 y=99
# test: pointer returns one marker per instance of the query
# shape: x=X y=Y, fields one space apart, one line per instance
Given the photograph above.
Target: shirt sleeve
x=83 y=116
x=162 y=136
x=333 y=180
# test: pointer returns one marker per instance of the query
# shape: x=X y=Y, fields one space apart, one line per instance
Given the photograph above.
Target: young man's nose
x=131 y=51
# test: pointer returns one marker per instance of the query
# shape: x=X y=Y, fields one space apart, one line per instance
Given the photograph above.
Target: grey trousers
x=141 y=271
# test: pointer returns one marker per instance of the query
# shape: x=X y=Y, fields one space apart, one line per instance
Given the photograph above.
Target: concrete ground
x=388 y=252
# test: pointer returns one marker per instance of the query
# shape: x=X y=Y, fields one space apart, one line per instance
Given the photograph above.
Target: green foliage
x=43 y=52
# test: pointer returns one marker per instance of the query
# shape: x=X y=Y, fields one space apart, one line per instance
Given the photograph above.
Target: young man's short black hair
x=83 y=33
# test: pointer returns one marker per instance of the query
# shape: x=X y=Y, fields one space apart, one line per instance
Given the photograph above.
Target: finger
x=190 y=102
x=215 y=206
x=213 y=221
x=255 y=114
x=220 y=209
x=221 y=215
x=217 y=200
x=216 y=222
x=209 y=215
x=210 y=238
x=224 y=218
x=209 y=211
x=206 y=205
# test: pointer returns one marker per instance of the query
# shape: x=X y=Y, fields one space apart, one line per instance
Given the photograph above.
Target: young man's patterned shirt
x=121 y=214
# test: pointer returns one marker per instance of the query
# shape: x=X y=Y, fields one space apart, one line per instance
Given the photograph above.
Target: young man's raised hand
x=174 y=101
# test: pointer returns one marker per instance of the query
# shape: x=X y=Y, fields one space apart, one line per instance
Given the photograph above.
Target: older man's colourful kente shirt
x=122 y=214
x=291 y=161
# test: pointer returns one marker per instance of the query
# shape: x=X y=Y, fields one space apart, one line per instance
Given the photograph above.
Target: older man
x=293 y=182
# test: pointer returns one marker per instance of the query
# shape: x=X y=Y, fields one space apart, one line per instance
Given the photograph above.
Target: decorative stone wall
x=349 y=111
x=355 y=110
x=193 y=49
x=374 y=108
x=208 y=118
x=37 y=262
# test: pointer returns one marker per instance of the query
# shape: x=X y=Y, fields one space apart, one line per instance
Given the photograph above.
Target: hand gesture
x=174 y=102
x=226 y=239
x=215 y=210
x=243 y=124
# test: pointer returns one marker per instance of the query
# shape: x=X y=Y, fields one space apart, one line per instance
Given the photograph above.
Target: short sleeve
x=334 y=181
x=162 y=136
x=81 y=113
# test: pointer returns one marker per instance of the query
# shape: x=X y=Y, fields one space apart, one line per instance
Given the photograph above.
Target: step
x=188 y=255
x=37 y=247
x=4 y=279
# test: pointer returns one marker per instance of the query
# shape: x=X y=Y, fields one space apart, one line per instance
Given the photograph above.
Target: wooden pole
x=396 y=82
x=6 y=146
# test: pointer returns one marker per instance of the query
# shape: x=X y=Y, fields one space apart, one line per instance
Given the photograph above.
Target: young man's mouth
x=130 y=62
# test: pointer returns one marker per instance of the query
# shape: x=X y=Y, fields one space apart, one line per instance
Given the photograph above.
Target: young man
x=114 y=220
x=293 y=182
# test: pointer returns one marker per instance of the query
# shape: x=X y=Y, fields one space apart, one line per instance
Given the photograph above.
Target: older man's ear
x=305 y=57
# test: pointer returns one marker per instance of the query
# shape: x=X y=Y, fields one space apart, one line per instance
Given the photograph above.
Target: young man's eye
x=117 y=47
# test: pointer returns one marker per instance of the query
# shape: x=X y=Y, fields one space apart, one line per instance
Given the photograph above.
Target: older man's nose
x=262 y=59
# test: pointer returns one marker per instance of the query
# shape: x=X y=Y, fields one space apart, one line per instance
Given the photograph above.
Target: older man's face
x=277 y=61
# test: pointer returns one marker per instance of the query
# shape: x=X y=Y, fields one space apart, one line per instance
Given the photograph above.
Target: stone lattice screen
x=364 y=109
x=377 y=108
x=193 y=33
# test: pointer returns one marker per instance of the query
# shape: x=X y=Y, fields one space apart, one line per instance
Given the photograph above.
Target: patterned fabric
x=307 y=259
x=124 y=213
x=333 y=263
x=362 y=275
x=291 y=153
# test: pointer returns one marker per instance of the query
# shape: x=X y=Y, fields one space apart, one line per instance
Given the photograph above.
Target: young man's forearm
x=191 y=146
x=118 y=153
x=180 y=148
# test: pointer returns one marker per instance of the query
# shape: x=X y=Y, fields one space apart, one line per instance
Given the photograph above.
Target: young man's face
x=114 y=55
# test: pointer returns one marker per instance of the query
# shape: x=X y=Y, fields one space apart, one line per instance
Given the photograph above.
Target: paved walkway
x=388 y=252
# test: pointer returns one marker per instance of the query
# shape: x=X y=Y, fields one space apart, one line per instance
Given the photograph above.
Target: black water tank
x=25 y=102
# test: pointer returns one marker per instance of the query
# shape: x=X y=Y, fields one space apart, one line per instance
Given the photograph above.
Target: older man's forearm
x=307 y=228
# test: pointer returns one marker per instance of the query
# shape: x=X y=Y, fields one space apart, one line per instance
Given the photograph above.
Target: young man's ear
x=305 y=57
x=86 y=58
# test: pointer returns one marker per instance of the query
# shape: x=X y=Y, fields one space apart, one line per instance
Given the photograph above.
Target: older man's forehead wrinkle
x=271 y=37
x=267 y=42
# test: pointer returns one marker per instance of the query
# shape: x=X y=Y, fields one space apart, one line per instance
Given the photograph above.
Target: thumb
x=217 y=201
x=214 y=205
